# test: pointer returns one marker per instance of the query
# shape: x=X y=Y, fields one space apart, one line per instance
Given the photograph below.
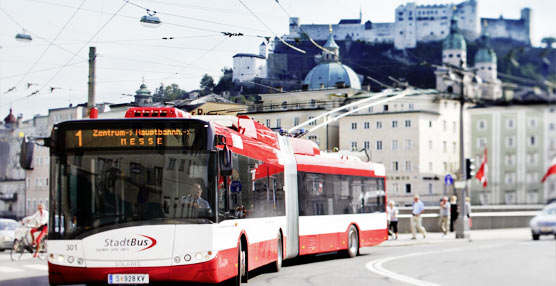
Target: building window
x=314 y=122
x=510 y=123
x=278 y=123
x=378 y=145
x=509 y=178
x=385 y=107
x=430 y=166
x=408 y=188
x=394 y=123
x=430 y=124
x=396 y=188
x=408 y=123
x=430 y=189
x=551 y=126
x=354 y=125
x=481 y=143
x=411 y=106
x=367 y=145
x=353 y=146
x=268 y=123
x=394 y=145
x=407 y=144
x=510 y=141
x=454 y=128
x=481 y=124
x=532 y=141
x=395 y=166
x=295 y=121
x=313 y=138
x=454 y=147
x=430 y=144
x=532 y=123
x=366 y=125
x=378 y=124
x=408 y=166
x=444 y=147
x=444 y=125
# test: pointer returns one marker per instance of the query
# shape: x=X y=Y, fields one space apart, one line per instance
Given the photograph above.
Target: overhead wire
x=51 y=42
x=84 y=45
x=270 y=30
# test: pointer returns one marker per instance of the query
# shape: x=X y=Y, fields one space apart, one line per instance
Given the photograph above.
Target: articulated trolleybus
x=164 y=196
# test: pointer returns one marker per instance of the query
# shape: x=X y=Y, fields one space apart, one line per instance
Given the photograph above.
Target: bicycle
x=23 y=243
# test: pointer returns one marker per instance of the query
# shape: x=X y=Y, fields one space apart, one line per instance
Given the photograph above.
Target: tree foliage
x=225 y=82
x=207 y=83
x=168 y=93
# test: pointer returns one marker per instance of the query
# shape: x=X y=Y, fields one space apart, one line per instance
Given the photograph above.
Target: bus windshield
x=99 y=190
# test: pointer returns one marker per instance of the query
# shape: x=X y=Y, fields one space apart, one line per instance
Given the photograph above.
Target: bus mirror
x=226 y=164
x=26 y=154
x=220 y=140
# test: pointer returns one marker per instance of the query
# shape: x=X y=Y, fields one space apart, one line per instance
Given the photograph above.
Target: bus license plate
x=128 y=278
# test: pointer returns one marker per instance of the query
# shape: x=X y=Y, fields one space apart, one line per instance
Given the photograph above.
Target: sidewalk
x=404 y=239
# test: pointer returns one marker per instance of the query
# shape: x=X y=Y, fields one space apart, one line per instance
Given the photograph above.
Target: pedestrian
x=416 y=218
x=468 y=210
x=453 y=212
x=444 y=215
x=393 y=219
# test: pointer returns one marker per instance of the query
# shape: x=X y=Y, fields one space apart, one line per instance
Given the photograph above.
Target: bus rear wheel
x=353 y=242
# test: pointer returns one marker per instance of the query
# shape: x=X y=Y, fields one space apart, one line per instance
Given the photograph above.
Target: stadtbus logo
x=147 y=242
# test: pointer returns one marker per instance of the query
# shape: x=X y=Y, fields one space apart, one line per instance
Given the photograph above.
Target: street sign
x=459 y=185
x=448 y=180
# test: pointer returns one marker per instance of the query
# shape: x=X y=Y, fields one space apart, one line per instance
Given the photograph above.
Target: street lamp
x=458 y=74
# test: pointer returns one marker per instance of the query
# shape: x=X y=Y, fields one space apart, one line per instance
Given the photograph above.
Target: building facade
x=417 y=140
x=419 y=23
x=521 y=142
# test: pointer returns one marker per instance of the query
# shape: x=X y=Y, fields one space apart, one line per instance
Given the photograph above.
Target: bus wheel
x=279 y=255
x=353 y=242
x=241 y=266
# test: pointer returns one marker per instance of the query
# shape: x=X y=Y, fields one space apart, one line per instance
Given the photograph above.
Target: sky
x=56 y=62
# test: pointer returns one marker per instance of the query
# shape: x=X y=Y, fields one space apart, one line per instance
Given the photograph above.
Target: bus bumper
x=216 y=270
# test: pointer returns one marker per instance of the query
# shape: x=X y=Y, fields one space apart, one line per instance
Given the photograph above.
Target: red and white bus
x=163 y=196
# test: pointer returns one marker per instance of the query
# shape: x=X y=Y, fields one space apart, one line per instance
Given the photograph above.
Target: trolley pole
x=91 y=92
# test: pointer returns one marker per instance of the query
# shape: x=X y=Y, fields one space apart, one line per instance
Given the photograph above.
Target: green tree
x=207 y=83
x=225 y=82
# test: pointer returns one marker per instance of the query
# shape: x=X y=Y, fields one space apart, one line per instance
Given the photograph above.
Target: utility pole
x=461 y=229
x=91 y=93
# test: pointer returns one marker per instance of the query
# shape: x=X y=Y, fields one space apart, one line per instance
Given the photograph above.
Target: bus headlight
x=187 y=257
x=198 y=256
x=60 y=258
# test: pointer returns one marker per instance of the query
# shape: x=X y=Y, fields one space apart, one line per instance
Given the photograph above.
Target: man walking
x=416 y=219
x=444 y=214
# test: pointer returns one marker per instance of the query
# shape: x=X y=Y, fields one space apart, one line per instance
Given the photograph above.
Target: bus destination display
x=129 y=138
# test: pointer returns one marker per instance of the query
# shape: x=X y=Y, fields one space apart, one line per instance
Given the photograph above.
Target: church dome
x=10 y=119
x=455 y=40
x=328 y=74
x=485 y=55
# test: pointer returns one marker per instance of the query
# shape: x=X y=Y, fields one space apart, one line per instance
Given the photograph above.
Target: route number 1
x=79 y=142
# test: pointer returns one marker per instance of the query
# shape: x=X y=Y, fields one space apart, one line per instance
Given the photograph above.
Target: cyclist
x=41 y=218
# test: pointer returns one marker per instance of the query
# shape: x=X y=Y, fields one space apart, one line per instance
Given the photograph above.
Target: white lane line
x=376 y=267
x=41 y=267
x=6 y=269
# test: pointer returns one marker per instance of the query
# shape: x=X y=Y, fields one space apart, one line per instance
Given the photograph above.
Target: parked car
x=544 y=223
x=7 y=233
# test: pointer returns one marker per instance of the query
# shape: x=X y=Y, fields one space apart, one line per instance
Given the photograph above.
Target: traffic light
x=469 y=168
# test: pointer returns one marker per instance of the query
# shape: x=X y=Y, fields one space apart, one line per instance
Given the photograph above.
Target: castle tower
x=454 y=47
x=263 y=50
x=486 y=65
x=526 y=18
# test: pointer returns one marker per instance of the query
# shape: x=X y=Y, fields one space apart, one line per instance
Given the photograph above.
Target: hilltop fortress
x=419 y=23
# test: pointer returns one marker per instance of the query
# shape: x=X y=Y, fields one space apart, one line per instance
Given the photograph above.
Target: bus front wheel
x=353 y=242
x=241 y=266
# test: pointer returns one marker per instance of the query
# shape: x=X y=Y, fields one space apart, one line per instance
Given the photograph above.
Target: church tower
x=485 y=64
x=454 y=47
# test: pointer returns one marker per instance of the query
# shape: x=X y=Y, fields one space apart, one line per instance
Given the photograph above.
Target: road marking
x=6 y=269
x=41 y=267
x=376 y=267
